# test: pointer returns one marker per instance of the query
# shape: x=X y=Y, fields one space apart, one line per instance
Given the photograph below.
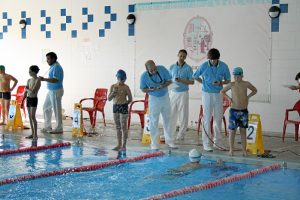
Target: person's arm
x=50 y=80
x=224 y=91
x=129 y=95
x=253 y=90
x=165 y=84
x=15 y=82
x=25 y=94
x=197 y=74
x=227 y=78
x=185 y=81
x=36 y=87
x=111 y=93
x=294 y=87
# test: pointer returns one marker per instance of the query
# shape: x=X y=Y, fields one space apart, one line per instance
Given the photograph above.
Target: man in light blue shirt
x=213 y=74
x=182 y=77
x=54 y=96
x=155 y=81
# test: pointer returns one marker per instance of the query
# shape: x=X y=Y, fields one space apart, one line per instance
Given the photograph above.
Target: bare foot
x=2 y=123
x=245 y=154
x=117 y=148
x=231 y=153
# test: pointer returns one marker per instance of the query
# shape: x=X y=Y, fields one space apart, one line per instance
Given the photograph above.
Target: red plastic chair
x=99 y=102
x=19 y=96
x=141 y=113
x=296 y=108
x=226 y=104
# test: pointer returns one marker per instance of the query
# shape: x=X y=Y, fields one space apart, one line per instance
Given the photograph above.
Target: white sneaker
x=173 y=146
x=208 y=149
x=154 y=147
x=181 y=137
x=46 y=130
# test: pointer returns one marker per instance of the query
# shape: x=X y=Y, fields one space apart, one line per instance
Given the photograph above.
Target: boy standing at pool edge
x=238 y=113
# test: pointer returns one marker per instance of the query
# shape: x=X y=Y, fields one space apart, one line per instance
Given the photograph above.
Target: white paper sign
x=147 y=124
x=76 y=119
x=251 y=132
x=12 y=112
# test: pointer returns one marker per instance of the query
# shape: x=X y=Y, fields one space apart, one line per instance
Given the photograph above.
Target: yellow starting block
x=254 y=136
x=14 y=120
x=77 y=124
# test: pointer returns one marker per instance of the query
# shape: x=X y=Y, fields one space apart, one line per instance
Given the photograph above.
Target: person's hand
x=217 y=83
x=292 y=87
x=178 y=79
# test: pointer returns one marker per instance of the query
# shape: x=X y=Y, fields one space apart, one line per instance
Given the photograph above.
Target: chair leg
x=128 y=121
x=103 y=115
x=91 y=115
x=200 y=119
x=199 y=125
x=225 y=126
x=141 y=120
x=296 y=132
x=94 y=119
x=283 y=132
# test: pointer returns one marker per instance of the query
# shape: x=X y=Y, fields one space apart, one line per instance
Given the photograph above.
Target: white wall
x=90 y=61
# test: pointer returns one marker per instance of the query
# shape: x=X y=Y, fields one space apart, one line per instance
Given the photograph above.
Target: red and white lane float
x=211 y=184
x=79 y=169
x=38 y=148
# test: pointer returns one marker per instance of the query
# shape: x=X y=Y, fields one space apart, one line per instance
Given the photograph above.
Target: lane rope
x=215 y=183
x=79 y=169
x=38 y=148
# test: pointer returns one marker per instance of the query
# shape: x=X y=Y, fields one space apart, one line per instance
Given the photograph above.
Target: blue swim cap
x=121 y=74
x=238 y=71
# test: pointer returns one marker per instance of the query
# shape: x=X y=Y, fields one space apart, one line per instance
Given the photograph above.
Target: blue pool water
x=135 y=180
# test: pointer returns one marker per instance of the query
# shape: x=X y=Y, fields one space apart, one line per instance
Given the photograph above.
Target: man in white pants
x=213 y=74
x=54 y=96
x=155 y=81
x=182 y=76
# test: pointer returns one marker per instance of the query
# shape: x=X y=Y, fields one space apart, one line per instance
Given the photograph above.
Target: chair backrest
x=100 y=98
x=297 y=106
x=20 y=93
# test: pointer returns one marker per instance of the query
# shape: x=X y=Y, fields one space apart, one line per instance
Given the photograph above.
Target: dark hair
x=213 y=54
x=52 y=55
x=34 y=68
x=297 y=76
x=182 y=51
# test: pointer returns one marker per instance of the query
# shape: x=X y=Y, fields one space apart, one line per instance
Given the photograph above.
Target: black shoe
x=29 y=137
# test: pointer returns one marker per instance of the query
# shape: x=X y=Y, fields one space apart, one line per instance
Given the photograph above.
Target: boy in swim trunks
x=32 y=89
x=5 y=92
x=238 y=113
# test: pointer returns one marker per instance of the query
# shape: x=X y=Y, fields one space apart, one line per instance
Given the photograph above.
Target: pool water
x=135 y=180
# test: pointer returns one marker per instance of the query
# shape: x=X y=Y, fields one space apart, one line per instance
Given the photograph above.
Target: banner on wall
x=241 y=32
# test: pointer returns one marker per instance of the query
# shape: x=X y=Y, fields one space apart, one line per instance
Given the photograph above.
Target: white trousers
x=212 y=104
x=157 y=106
x=179 y=109
x=53 y=102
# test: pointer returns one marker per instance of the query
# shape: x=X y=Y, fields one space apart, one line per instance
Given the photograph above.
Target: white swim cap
x=195 y=155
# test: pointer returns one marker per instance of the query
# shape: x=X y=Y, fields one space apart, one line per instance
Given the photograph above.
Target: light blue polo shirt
x=210 y=73
x=156 y=80
x=57 y=72
x=184 y=72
